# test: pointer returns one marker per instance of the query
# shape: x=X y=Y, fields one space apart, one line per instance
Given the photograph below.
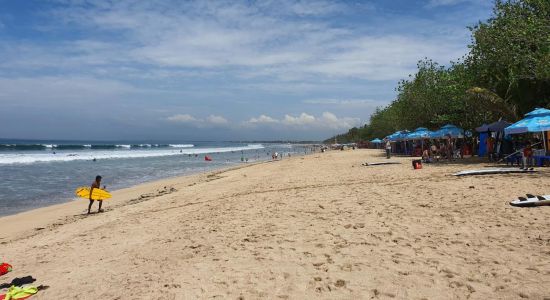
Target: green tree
x=505 y=75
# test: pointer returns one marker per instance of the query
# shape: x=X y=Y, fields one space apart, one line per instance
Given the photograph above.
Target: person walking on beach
x=388 y=149
x=528 y=157
x=95 y=185
x=490 y=143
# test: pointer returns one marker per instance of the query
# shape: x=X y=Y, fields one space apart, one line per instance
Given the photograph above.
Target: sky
x=214 y=70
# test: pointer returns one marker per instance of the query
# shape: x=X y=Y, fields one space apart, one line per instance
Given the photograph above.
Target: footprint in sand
x=340 y=283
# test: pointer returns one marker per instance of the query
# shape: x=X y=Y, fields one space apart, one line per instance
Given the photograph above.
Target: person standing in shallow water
x=95 y=185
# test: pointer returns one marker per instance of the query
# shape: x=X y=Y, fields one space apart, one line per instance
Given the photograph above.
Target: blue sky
x=214 y=70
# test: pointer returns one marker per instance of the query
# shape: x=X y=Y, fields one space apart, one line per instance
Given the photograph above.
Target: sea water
x=37 y=174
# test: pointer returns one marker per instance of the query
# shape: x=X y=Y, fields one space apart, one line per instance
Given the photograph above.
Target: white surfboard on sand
x=531 y=200
x=381 y=163
x=490 y=171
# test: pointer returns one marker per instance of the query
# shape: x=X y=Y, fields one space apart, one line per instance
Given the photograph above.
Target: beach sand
x=316 y=227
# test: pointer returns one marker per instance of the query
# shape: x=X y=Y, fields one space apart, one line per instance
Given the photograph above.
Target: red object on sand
x=207 y=158
x=5 y=268
x=417 y=164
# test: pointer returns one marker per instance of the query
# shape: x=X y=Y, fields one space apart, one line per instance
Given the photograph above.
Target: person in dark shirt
x=95 y=185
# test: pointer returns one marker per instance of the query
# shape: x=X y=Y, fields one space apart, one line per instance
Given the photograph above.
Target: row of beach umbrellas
x=422 y=133
x=536 y=121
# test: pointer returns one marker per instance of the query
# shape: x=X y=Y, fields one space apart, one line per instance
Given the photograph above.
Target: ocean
x=35 y=174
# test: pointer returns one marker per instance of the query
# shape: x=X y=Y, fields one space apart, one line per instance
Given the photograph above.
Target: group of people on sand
x=521 y=151
x=432 y=151
x=446 y=149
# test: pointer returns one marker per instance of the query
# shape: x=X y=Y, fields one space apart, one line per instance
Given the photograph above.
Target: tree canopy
x=505 y=75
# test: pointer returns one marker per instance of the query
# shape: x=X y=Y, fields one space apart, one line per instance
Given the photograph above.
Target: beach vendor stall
x=450 y=133
x=420 y=134
x=536 y=121
x=393 y=139
x=492 y=139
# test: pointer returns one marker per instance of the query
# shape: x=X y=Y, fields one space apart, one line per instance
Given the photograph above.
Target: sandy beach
x=316 y=227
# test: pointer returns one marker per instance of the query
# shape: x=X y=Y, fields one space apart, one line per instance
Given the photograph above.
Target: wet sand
x=316 y=227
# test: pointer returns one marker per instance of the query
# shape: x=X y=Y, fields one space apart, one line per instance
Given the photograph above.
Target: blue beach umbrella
x=393 y=137
x=435 y=135
x=376 y=141
x=419 y=134
x=536 y=121
x=452 y=130
x=402 y=136
x=398 y=136
x=448 y=130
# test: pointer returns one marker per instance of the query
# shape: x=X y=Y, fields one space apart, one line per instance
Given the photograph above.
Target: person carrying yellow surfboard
x=95 y=185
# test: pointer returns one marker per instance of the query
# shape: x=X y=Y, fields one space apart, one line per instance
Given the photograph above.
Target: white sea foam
x=181 y=145
x=124 y=146
x=60 y=156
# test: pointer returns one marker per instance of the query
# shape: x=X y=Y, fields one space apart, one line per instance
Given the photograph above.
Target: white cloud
x=262 y=119
x=216 y=120
x=346 y=102
x=305 y=121
x=254 y=40
x=301 y=120
x=182 y=118
x=210 y=121
x=436 y=3
x=330 y=120
x=311 y=7
x=166 y=57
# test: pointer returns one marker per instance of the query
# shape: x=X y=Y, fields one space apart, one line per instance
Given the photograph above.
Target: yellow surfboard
x=97 y=194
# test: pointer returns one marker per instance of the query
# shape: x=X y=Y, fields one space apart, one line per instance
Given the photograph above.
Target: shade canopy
x=393 y=136
x=376 y=141
x=536 y=121
x=498 y=125
x=494 y=127
x=402 y=135
x=419 y=133
x=448 y=130
x=482 y=128
x=397 y=136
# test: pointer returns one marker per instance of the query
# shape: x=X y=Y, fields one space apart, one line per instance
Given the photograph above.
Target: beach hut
x=536 y=121
x=485 y=133
x=498 y=126
x=482 y=128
